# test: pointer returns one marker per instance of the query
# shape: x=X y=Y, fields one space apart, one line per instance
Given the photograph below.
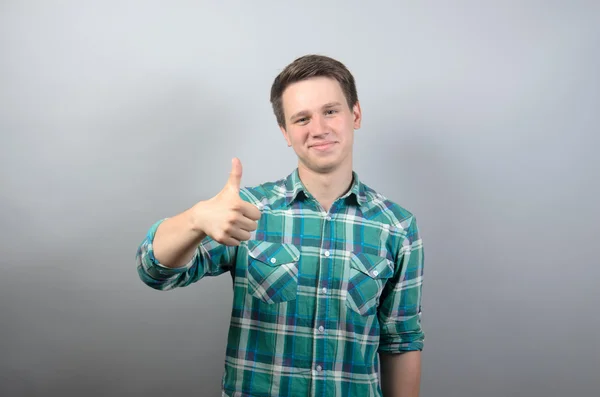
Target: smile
x=323 y=146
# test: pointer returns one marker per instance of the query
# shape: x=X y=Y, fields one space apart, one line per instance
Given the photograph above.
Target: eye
x=302 y=120
x=331 y=111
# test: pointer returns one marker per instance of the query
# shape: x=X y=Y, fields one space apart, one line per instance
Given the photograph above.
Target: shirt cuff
x=403 y=343
x=159 y=267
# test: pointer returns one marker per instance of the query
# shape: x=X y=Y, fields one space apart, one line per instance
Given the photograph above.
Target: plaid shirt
x=316 y=294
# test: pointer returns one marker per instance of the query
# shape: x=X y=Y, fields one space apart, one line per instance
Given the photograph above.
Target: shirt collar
x=294 y=187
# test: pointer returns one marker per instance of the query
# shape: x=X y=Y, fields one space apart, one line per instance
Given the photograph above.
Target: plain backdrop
x=480 y=117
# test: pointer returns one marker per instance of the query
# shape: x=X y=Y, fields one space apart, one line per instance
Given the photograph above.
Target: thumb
x=235 y=177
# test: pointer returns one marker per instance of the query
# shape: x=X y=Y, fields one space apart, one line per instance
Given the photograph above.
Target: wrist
x=195 y=217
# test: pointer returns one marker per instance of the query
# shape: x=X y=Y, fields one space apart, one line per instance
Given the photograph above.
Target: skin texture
x=401 y=374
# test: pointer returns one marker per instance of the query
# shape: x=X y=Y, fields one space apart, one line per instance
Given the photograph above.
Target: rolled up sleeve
x=210 y=259
x=400 y=307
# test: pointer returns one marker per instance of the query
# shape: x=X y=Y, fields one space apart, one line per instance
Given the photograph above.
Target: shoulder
x=382 y=209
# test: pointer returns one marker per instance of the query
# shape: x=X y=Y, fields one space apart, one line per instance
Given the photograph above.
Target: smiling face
x=319 y=124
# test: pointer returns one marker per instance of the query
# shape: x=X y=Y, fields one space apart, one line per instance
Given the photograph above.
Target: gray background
x=479 y=117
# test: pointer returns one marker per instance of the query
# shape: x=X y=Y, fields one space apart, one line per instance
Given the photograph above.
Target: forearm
x=401 y=374
x=176 y=240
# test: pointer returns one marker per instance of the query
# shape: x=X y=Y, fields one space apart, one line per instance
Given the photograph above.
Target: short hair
x=306 y=67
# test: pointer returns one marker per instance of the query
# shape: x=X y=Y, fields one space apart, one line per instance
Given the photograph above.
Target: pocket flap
x=374 y=266
x=273 y=254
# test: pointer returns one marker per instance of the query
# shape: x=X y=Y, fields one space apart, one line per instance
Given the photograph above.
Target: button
x=328 y=218
x=321 y=328
x=273 y=260
x=375 y=272
x=324 y=290
x=326 y=253
x=319 y=368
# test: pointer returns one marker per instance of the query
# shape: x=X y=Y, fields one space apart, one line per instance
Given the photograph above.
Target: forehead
x=311 y=93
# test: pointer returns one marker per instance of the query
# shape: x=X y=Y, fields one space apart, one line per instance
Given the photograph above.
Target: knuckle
x=231 y=219
x=226 y=231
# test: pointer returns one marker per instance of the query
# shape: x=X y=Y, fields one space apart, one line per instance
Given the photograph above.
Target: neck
x=326 y=187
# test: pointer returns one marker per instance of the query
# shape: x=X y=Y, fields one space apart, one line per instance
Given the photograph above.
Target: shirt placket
x=326 y=258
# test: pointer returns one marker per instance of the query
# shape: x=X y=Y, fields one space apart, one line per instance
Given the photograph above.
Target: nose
x=319 y=127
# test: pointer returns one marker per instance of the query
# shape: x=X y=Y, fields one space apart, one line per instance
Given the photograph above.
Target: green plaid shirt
x=316 y=295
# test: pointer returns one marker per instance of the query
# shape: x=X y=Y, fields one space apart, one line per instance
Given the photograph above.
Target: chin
x=322 y=165
x=322 y=168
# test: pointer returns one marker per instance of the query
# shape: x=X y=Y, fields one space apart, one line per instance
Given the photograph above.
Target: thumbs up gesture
x=226 y=217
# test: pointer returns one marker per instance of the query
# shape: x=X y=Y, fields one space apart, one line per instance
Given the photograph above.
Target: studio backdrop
x=479 y=117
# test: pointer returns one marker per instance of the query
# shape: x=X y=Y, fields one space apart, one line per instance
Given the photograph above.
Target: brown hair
x=306 y=67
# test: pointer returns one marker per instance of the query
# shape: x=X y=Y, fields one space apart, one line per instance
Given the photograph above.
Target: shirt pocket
x=272 y=271
x=367 y=275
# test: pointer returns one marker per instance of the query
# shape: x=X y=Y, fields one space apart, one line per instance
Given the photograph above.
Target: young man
x=327 y=272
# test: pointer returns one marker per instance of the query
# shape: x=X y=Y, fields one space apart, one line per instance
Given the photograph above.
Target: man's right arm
x=200 y=241
x=177 y=239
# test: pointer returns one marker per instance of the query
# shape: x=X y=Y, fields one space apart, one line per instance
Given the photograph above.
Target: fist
x=227 y=218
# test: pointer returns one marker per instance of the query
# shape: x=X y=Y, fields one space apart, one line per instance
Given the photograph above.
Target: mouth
x=323 y=146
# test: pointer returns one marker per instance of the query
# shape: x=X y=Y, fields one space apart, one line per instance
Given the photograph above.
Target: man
x=327 y=272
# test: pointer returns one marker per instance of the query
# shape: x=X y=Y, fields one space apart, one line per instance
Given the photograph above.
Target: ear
x=285 y=135
x=357 y=113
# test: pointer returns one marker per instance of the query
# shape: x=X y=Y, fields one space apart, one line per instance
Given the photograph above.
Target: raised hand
x=226 y=217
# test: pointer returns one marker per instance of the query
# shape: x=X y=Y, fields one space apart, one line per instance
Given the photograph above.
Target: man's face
x=319 y=125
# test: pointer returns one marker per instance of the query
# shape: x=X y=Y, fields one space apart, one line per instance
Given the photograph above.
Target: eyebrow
x=305 y=112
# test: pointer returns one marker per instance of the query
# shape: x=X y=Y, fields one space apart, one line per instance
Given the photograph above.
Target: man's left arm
x=402 y=337
x=401 y=374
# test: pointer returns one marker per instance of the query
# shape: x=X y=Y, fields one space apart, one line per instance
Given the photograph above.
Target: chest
x=323 y=245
